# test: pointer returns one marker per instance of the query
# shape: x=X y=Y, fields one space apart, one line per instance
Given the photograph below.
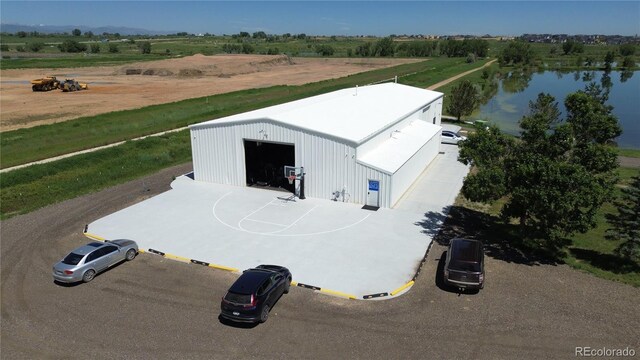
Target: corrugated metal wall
x=361 y=186
x=218 y=156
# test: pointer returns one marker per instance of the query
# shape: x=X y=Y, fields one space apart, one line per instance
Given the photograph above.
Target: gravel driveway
x=162 y=309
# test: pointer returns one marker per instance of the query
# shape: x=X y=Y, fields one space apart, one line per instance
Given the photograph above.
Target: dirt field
x=136 y=85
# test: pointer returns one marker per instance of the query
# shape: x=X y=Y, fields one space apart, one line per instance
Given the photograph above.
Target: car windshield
x=72 y=259
x=238 y=298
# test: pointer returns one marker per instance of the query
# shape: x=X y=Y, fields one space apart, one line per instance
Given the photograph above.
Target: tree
x=608 y=60
x=259 y=35
x=325 y=50
x=625 y=224
x=627 y=49
x=364 y=50
x=628 y=62
x=113 y=48
x=244 y=34
x=21 y=34
x=36 y=46
x=517 y=52
x=95 y=48
x=72 y=46
x=76 y=32
x=384 y=47
x=464 y=99
x=248 y=48
x=572 y=47
x=556 y=176
x=145 y=47
x=88 y=34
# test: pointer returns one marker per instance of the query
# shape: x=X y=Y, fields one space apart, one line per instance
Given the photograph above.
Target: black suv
x=255 y=292
x=464 y=267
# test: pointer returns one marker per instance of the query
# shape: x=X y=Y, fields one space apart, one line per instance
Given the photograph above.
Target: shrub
x=4 y=47
x=113 y=48
x=145 y=47
x=628 y=62
x=248 y=48
x=72 y=46
x=325 y=50
x=627 y=49
x=36 y=46
x=95 y=48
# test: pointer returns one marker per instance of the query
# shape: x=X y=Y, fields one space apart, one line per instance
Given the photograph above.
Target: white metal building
x=369 y=143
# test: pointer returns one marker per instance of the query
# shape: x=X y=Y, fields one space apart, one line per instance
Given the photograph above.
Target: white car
x=450 y=137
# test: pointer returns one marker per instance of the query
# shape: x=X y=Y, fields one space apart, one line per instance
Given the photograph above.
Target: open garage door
x=265 y=162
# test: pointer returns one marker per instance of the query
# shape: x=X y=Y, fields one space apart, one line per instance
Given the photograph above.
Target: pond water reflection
x=508 y=97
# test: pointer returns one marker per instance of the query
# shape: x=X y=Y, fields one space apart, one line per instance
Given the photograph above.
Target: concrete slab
x=331 y=245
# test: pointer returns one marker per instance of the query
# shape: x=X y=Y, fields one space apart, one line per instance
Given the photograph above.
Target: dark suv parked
x=255 y=292
x=464 y=267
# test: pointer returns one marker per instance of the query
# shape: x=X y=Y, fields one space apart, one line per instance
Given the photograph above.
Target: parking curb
x=294 y=283
x=325 y=291
x=410 y=283
x=338 y=293
x=194 y=261
x=372 y=296
x=94 y=237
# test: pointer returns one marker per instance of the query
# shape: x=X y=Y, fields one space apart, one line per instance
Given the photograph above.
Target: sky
x=378 y=18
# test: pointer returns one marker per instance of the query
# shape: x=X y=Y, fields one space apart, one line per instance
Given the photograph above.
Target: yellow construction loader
x=72 y=85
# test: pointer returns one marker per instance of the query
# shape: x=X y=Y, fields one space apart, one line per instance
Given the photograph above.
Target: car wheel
x=287 y=286
x=88 y=275
x=265 y=314
x=131 y=254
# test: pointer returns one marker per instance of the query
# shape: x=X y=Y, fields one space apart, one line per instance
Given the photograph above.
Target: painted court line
x=215 y=215
x=293 y=223
x=266 y=222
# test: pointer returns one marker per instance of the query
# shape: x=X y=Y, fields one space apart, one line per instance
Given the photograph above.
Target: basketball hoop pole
x=301 y=197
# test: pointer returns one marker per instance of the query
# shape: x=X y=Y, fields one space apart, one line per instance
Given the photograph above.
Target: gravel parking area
x=162 y=309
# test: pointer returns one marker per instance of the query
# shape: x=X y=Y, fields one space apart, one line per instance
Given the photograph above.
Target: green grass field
x=28 y=189
x=41 y=142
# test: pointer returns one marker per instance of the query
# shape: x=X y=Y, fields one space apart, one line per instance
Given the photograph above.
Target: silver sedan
x=450 y=137
x=83 y=263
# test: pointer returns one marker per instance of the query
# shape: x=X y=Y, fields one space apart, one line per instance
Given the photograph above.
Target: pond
x=509 y=101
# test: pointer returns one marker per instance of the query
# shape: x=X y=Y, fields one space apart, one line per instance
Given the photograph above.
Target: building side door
x=373 y=193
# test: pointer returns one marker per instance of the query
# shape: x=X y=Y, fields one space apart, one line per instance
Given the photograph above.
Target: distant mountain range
x=49 y=29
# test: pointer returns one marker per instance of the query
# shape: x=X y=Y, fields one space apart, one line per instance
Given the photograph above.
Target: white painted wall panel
x=218 y=156
x=409 y=172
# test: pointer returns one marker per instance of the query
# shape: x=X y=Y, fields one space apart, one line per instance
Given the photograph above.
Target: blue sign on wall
x=374 y=185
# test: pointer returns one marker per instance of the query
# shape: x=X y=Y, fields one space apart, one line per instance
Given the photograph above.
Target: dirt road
x=454 y=78
x=135 y=85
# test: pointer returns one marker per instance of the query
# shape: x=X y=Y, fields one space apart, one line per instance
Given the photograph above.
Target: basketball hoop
x=291 y=179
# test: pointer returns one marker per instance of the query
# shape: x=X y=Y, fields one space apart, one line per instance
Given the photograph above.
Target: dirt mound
x=140 y=84
x=190 y=72
x=200 y=65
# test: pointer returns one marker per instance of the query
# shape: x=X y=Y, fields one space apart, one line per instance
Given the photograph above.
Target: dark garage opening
x=265 y=162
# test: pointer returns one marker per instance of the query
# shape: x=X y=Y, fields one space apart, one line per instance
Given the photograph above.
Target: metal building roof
x=390 y=155
x=352 y=114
